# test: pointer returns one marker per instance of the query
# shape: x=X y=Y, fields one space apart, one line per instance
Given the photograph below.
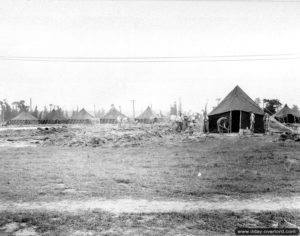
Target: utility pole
x=120 y=108
x=180 y=106
x=2 y=113
x=133 y=111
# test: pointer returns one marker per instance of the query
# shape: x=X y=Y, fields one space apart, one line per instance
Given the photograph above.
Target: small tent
x=148 y=116
x=237 y=106
x=287 y=115
x=111 y=117
x=24 y=118
x=54 y=117
x=82 y=117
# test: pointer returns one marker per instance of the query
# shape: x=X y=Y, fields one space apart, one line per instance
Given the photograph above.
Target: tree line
x=271 y=106
x=11 y=110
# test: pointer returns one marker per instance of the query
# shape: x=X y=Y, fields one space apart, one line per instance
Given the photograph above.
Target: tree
x=66 y=114
x=40 y=117
x=257 y=101
x=295 y=108
x=100 y=113
x=45 y=112
x=59 y=111
x=2 y=105
x=173 y=110
x=271 y=105
x=35 y=113
x=21 y=105
x=74 y=113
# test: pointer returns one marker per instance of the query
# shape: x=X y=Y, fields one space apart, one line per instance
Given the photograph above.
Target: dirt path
x=146 y=206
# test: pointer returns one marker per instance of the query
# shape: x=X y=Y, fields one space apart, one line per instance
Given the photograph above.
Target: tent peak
x=237 y=99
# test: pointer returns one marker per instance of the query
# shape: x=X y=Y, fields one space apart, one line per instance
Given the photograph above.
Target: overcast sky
x=90 y=28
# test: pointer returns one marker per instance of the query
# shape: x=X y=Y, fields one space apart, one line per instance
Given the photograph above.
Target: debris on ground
x=289 y=136
x=10 y=227
x=18 y=229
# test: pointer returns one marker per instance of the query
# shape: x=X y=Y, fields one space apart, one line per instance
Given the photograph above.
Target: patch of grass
x=103 y=223
x=122 y=181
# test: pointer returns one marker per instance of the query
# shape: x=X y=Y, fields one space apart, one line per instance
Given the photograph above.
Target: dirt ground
x=143 y=180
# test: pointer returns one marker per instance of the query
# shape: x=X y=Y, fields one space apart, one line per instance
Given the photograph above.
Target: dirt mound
x=98 y=136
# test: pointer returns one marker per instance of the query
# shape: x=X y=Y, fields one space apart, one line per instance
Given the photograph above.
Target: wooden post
x=230 y=121
x=240 y=119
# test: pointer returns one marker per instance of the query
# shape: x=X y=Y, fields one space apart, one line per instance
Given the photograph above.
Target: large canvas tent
x=111 y=117
x=147 y=117
x=287 y=115
x=24 y=118
x=82 y=117
x=54 y=117
x=237 y=107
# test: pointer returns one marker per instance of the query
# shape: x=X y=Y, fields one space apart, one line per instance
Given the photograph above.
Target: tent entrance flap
x=235 y=121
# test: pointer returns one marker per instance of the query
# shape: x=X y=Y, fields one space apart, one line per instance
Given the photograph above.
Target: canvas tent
x=54 y=117
x=111 y=116
x=148 y=116
x=82 y=117
x=24 y=118
x=287 y=115
x=237 y=106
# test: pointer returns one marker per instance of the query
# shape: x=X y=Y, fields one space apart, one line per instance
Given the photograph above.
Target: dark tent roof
x=147 y=114
x=54 y=115
x=285 y=111
x=237 y=99
x=24 y=115
x=113 y=114
x=83 y=115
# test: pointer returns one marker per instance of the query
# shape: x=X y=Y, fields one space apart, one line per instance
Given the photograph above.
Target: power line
x=241 y=1
x=216 y=58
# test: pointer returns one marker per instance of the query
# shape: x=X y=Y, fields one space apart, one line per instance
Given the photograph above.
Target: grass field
x=231 y=168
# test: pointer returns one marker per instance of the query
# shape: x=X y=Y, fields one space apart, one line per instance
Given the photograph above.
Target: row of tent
x=237 y=107
x=112 y=116
x=82 y=117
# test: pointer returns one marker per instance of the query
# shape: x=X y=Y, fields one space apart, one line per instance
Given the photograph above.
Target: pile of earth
x=289 y=136
x=111 y=136
x=95 y=136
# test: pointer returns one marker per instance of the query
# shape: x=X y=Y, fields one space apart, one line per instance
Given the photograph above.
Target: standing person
x=179 y=123
x=252 y=122
x=266 y=122
x=191 y=128
x=185 y=122
x=119 y=121
x=205 y=124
